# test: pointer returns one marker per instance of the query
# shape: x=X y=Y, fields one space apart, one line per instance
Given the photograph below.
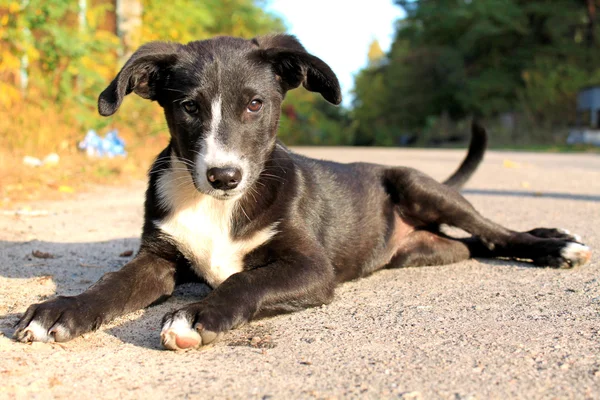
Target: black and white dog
x=270 y=231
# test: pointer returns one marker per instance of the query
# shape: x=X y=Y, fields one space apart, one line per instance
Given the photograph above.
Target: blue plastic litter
x=111 y=145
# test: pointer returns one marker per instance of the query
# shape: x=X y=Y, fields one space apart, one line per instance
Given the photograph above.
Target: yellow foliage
x=375 y=52
x=66 y=189
x=105 y=65
x=9 y=62
x=9 y=95
x=14 y=7
x=32 y=53
x=69 y=66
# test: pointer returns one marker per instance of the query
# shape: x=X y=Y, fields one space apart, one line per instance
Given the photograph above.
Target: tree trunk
x=129 y=24
x=591 y=34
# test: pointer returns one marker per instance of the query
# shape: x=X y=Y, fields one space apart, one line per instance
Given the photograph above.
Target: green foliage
x=457 y=58
x=201 y=20
x=370 y=120
x=307 y=119
x=68 y=64
x=61 y=56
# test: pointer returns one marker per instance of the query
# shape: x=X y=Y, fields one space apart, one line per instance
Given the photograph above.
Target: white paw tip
x=35 y=332
x=179 y=335
x=577 y=253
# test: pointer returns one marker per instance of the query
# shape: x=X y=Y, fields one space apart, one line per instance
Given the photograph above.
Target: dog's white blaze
x=200 y=227
x=213 y=154
x=215 y=111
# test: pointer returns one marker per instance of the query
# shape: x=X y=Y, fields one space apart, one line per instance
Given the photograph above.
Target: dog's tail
x=474 y=157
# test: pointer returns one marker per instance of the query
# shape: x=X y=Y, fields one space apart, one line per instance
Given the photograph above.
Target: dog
x=269 y=230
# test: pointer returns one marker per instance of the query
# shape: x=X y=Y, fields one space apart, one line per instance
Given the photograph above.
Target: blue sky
x=339 y=32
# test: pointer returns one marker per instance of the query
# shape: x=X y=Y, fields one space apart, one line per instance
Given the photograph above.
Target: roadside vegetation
x=516 y=64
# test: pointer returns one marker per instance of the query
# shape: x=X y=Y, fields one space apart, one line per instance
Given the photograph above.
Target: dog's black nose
x=224 y=178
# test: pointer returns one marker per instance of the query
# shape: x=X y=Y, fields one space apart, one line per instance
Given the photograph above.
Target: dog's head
x=221 y=99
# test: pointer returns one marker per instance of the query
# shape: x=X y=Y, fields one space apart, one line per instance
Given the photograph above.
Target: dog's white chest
x=200 y=226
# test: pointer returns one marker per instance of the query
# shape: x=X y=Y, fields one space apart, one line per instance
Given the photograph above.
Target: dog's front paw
x=568 y=255
x=57 y=320
x=190 y=327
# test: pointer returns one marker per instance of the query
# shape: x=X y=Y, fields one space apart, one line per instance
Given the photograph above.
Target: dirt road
x=476 y=329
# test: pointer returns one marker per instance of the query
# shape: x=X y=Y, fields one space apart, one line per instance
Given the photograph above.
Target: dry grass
x=74 y=173
x=38 y=130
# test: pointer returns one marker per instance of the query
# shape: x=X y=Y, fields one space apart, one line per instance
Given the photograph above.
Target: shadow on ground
x=69 y=270
x=518 y=193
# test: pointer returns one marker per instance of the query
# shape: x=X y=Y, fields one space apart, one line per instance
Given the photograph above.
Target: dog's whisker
x=272 y=169
x=174 y=90
x=182 y=178
x=185 y=161
x=180 y=100
x=181 y=185
x=274 y=177
x=242 y=208
x=251 y=191
x=274 y=180
x=166 y=169
x=276 y=166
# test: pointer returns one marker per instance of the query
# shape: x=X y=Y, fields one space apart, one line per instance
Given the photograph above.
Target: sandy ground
x=476 y=329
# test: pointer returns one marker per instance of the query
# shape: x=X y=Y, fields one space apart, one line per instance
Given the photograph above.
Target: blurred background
x=414 y=73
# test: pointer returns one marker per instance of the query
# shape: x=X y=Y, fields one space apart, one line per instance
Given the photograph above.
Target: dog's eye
x=255 y=106
x=190 y=106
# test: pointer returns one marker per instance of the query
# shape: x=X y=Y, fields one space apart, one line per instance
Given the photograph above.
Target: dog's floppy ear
x=294 y=66
x=139 y=74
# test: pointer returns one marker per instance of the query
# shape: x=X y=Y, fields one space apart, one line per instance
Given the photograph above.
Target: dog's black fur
x=296 y=226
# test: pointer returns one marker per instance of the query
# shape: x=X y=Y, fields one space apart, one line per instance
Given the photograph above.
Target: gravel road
x=476 y=329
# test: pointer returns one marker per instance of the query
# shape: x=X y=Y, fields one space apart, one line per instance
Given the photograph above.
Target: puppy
x=269 y=230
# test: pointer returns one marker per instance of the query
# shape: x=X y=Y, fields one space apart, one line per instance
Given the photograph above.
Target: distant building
x=588 y=117
x=588 y=104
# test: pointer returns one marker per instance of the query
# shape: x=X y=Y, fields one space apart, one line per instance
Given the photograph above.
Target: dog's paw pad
x=575 y=255
x=178 y=334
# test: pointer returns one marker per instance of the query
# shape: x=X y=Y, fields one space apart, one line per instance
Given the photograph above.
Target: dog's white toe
x=575 y=254
x=35 y=332
x=179 y=335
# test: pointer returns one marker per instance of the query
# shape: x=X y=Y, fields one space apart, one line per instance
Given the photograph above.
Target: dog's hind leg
x=423 y=248
x=432 y=203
